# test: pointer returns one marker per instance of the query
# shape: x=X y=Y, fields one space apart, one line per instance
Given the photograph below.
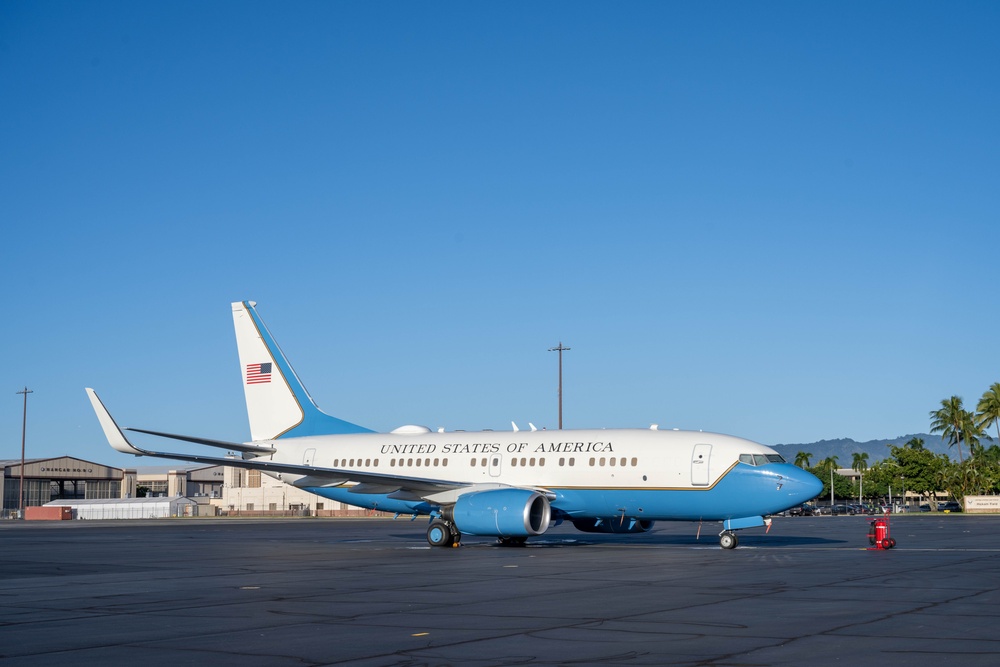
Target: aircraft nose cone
x=807 y=484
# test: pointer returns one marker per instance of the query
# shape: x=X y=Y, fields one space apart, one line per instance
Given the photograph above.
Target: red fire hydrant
x=878 y=534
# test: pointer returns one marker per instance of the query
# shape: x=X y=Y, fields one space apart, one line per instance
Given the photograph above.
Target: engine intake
x=502 y=513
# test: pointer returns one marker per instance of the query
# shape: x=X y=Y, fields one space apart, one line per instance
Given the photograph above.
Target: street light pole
x=24 y=425
x=831 y=486
x=560 y=350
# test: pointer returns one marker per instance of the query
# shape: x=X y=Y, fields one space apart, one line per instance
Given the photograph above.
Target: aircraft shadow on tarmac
x=708 y=539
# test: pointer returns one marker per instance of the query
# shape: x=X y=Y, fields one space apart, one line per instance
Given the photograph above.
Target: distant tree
x=882 y=478
x=920 y=470
x=988 y=410
x=949 y=420
x=802 y=459
x=915 y=443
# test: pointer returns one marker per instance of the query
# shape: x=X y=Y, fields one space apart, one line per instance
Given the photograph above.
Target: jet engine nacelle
x=502 y=513
x=613 y=524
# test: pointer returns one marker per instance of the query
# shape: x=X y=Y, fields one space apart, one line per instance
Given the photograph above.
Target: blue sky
x=776 y=220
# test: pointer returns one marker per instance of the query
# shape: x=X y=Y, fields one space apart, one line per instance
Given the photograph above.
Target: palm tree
x=829 y=464
x=948 y=421
x=988 y=410
x=971 y=432
x=915 y=443
x=802 y=459
x=860 y=465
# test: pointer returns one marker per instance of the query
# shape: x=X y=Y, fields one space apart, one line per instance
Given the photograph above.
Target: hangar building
x=62 y=478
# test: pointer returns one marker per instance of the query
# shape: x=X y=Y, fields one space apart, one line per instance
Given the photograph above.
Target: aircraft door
x=495 y=462
x=699 y=465
x=309 y=457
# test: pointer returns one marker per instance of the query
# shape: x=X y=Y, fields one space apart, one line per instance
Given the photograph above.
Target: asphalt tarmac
x=371 y=592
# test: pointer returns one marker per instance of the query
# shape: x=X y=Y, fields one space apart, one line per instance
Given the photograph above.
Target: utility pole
x=560 y=350
x=24 y=424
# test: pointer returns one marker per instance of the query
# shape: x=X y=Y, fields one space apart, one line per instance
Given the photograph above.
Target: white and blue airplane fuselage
x=508 y=484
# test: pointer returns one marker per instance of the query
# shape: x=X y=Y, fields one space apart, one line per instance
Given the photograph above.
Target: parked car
x=841 y=509
x=804 y=509
x=924 y=507
x=950 y=506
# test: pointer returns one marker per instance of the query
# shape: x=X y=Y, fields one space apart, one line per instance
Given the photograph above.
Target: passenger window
x=376 y=463
x=635 y=462
x=368 y=463
x=592 y=460
x=541 y=461
x=572 y=461
x=418 y=463
x=484 y=462
x=409 y=463
x=473 y=463
x=612 y=462
x=602 y=461
x=562 y=461
x=531 y=462
x=436 y=461
x=444 y=463
x=513 y=463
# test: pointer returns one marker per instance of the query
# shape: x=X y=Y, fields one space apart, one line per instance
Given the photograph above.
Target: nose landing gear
x=728 y=539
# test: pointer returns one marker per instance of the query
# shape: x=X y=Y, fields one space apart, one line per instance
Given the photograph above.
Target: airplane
x=510 y=485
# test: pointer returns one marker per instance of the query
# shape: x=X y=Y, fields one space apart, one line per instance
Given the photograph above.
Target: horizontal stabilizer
x=221 y=444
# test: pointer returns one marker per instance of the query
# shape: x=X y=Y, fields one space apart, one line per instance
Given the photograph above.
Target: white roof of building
x=74 y=502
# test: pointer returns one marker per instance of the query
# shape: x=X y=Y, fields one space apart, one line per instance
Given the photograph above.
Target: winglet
x=114 y=434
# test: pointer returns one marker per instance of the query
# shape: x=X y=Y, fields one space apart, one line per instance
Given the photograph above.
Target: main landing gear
x=443 y=534
x=728 y=539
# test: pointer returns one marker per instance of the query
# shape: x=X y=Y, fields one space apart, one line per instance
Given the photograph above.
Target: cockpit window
x=761 y=459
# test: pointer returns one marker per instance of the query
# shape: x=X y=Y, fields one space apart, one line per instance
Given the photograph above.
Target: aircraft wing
x=367 y=482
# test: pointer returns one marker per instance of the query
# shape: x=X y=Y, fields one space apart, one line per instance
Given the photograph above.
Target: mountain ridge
x=877 y=450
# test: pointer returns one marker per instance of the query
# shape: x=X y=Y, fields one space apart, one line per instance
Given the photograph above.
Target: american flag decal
x=258 y=373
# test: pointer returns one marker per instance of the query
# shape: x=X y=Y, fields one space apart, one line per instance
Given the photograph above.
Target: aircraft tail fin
x=278 y=404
